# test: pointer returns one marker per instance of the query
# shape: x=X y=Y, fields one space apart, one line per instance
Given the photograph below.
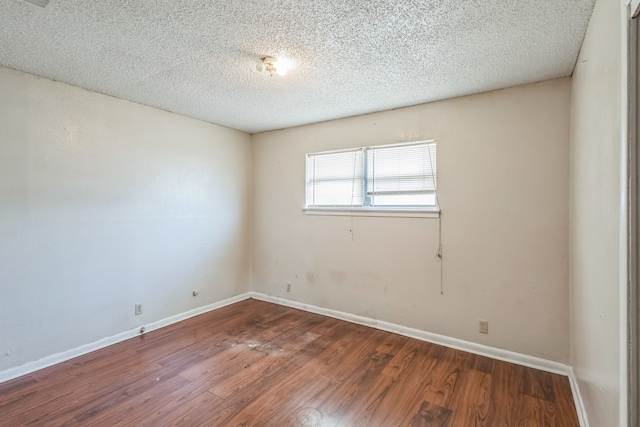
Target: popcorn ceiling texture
x=198 y=57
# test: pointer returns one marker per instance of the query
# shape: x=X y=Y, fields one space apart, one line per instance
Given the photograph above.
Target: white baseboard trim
x=458 y=344
x=45 y=362
x=577 y=399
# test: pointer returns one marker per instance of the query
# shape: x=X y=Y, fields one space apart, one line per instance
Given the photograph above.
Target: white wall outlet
x=138 y=309
x=483 y=326
x=288 y=286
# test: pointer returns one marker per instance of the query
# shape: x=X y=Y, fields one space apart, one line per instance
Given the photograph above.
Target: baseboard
x=577 y=399
x=45 y=362
x=471 y=347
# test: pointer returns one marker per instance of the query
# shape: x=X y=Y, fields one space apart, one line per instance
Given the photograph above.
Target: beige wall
x=595 y=215
x=105 y=204
x=503 y=181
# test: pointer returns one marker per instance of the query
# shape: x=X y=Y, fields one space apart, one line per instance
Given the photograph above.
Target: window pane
x=404 y=175
x=335 y=179
x=338 y=193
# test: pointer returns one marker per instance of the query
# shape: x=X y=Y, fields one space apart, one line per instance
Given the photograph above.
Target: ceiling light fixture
x=273 y=65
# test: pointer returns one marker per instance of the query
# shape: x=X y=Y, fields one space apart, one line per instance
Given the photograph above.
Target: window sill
x=403 y=213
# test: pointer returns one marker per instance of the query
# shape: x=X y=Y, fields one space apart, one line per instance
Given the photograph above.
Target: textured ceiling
x=198 y=57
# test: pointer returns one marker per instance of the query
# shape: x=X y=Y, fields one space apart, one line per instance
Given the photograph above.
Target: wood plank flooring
x=259 y=364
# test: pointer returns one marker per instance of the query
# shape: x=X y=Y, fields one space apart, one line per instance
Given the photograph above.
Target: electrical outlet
x=138 y=309
x=288 y=286
x=483 y=327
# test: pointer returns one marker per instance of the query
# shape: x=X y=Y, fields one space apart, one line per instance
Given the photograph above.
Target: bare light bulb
x=284 y=65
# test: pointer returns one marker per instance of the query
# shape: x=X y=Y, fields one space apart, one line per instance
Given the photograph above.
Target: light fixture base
x=272 y=65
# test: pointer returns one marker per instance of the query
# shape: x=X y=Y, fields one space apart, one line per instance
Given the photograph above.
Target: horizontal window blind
x=335 y=179
x=402 y=175
x=398 y=176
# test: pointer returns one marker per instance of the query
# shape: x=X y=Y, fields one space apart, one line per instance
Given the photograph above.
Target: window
x=398 y=177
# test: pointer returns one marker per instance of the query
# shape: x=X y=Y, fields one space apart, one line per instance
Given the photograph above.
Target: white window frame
x=392 y=211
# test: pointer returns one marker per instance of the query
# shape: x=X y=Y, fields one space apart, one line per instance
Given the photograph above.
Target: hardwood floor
x=259 y=364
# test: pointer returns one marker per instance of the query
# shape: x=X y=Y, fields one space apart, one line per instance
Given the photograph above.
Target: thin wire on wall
x=439 y=253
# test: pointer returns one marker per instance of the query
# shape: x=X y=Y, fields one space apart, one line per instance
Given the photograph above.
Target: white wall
x=595 y=215
x=104 y=204
x=503 y=161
